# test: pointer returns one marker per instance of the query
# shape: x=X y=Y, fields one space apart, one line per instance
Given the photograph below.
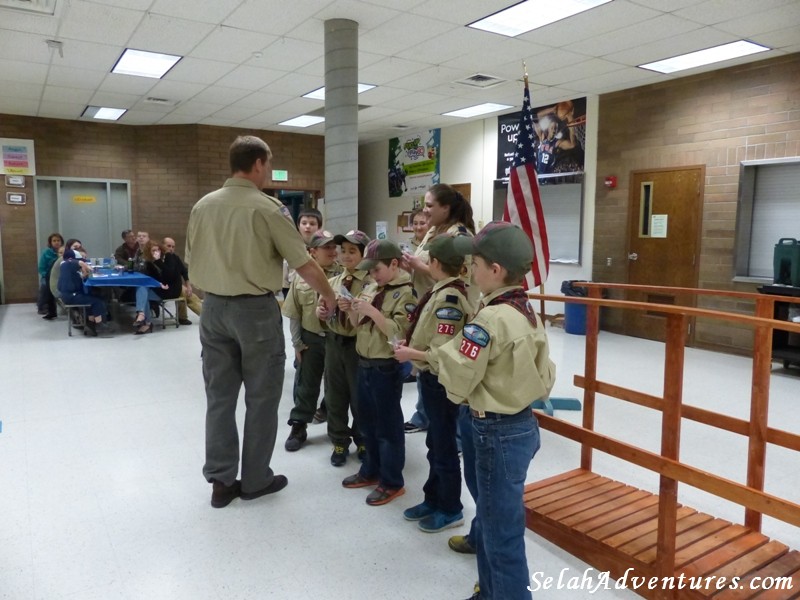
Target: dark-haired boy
x=439 y=318
x=499 y=364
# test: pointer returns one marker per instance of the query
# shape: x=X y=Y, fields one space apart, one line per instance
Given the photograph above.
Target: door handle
x=633 y=256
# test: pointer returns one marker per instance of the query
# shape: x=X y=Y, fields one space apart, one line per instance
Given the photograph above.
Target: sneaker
x=460 y=544
x=278 y=483
x=361 y=452
x=409 y=427
x=184 y=322
x=381 y=495
x=358 y=481
x=297 y=437
x=418 y=512
x=222 y=494
x=439 y=521
x=339 y=456
x=320 y=416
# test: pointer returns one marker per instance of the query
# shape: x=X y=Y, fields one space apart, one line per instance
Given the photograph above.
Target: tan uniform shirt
x=424 y=282
x=237 y=239
x=500 y=362
x=442 y=319
x=360 y=280
x=301 y=302
x=398 y=303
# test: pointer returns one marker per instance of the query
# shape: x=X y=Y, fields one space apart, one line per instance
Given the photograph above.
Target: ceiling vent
x=160 y=101
x=38 y=7
x=481 y=81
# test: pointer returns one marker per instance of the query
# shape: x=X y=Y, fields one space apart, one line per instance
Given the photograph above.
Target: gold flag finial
x=525 y=73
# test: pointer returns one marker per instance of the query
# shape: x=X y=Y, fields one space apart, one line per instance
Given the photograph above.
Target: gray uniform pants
x=243 y=344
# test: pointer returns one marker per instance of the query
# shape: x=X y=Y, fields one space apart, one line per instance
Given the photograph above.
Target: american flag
x=523 y=203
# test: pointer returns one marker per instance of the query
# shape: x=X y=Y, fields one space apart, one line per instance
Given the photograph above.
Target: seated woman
x=70 y=286
x=163 y=268
x=46 y=301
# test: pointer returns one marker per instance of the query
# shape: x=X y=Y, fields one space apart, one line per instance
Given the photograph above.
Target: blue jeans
x=144 y=295
x=504 y=447
x=419 y=418
x=380 y=387
x=443 y=487
x=470 y=478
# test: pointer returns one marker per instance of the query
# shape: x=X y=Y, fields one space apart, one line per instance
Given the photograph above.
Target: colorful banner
x=17 y=156
x=559 y=135
x=414 y=163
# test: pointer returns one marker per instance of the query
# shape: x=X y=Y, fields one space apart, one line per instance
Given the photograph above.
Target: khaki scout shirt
x=424 y=282
x=301 y=302
x=499 y=362
x=442 y=319
x=237 y=239
x=360 y=280
x=397 y=304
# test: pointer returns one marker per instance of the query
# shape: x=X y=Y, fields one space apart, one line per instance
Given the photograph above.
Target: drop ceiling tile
x=374 y=112
x=277 y=18
x=141 y=117
x=18 y=106
x=403 y=32
x=207 y=12
x=72 y=77
x=217 y=121
x=55 y=93
x=114 y=100
x=60 y=110
x=289 y=54
x=92 y=22
x=263 y=100
x=236 y=113
x=430 y=77
x=599 y=21
x=177 y=119
x=17 y=89
x=249 y=78
x=659 y=4
x=626 y=78
x=581 y=70
x=764 y=22
x=460 y=12
x=673 y=46
x=169 y=35
x=231 y=45
x=127 y=84
x=448 y=46
x=88 y=55
x=382 y=94
x=220 y=95
x=632 y=36
x=390 y=69
x=15 y=20
x=786 y=40
x=367 y=16
x=412 y=100
x=143 y=105
x=197 y=108
x=132 y=4
x=483 y=54
x=711 y=12
x=195 y=70
x=16 y=45
x=295 y=84
x=176 y=91
x=16 y=70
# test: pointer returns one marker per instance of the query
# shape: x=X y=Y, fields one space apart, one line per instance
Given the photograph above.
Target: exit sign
x=280 y=175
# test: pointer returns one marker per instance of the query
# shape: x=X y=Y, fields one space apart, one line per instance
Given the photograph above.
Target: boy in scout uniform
x=308 y=339
x=341 y=360
x=381 y=316
x=499 y=364
x=440 y=317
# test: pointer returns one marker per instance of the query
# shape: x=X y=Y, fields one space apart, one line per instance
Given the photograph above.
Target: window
x=768 y=210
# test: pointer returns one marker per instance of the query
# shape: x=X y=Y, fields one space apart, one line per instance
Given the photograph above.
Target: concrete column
x=341 y=125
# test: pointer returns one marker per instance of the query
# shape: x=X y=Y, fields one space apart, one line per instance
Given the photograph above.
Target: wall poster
x=17 y=157
x=414 y=163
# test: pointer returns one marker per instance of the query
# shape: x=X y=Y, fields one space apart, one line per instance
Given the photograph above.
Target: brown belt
x=485 y=414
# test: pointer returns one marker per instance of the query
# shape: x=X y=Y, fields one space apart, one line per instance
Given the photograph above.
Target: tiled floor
x=102 y=494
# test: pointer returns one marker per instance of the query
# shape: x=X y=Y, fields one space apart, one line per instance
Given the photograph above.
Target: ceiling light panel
x=532 y=14
x=303 y=121
x=705 y=57
x=144 y=64
x=319 y=93
x=478 y=109
x=103 y=113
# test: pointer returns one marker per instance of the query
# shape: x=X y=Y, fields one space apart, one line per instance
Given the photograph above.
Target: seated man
x=191 y=299
x=127 y=251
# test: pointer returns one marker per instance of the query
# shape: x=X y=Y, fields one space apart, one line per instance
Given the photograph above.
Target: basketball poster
x=414 y=163
x=559 y=139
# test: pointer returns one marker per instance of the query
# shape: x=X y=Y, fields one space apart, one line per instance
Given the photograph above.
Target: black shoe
x=146 y=328
x=278 y=483
x=184 y=322
x=49 y=317
x=297 y=437
x=409 y=427
x=339 y=455
x=222 y=494
x=90 y=330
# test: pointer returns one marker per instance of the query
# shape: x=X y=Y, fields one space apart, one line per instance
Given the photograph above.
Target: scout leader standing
x=380 y=314
x=341 y=359
x=499 y=363
x=308 y=338
x=235 y=246
x=439 y=318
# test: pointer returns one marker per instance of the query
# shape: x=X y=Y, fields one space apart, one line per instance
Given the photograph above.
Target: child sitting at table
x=70 y=286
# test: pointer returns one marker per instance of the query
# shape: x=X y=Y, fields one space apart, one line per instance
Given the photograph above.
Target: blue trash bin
x=574 y=314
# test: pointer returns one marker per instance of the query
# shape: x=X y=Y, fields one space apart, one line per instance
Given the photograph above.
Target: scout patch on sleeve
x=396 y=295
x=451 y=299
x=475 y=339
x=410 y=307
x=285 y=212
x=446 y=328
x=449 y=314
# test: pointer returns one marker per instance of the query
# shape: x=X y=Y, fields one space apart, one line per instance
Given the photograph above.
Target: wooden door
x=663 y=241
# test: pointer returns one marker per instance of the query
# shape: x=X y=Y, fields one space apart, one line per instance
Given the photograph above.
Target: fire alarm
x=611 y=182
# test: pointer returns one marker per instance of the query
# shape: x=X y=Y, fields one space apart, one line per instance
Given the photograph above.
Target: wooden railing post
x=670 y=443
x=590 y=372
x=759 y=406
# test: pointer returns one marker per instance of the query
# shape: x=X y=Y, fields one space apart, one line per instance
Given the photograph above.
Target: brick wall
x=169 y=168
x=717 y=119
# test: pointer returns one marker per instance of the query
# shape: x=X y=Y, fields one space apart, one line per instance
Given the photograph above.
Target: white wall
x=469 y=155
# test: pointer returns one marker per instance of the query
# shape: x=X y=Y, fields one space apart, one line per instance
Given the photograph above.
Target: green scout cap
x=320 y=238
x=499 y=242
x=354 y=236
x=442 y=249
x=378 y=250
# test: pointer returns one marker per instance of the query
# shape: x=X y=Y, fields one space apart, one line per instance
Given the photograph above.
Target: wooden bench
x=616 y=527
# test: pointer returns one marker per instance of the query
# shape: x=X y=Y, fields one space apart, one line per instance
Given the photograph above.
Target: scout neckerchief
x=347 y=282
x=414 y=316
x=519 y=300
x=377 y=301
